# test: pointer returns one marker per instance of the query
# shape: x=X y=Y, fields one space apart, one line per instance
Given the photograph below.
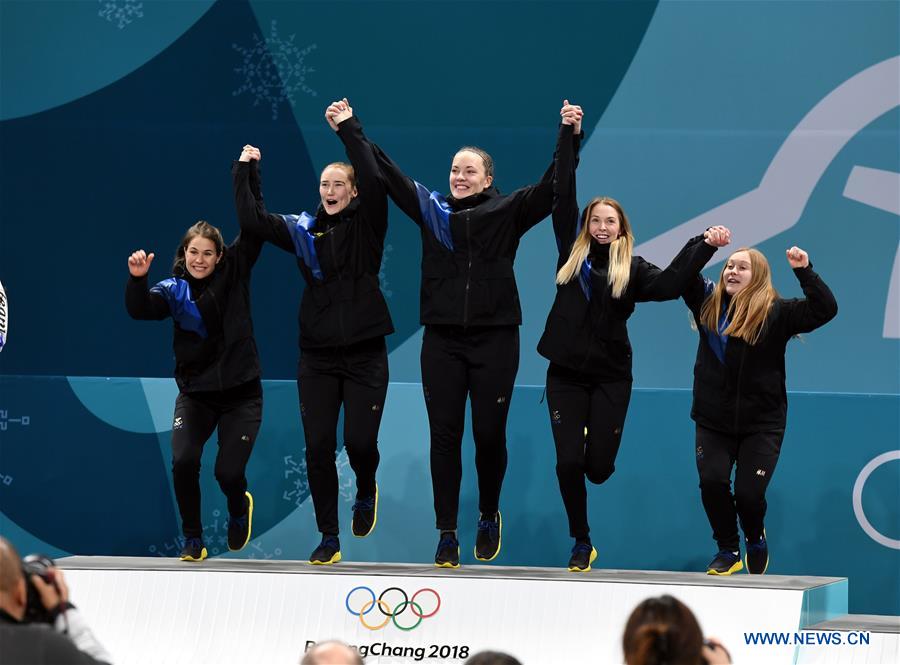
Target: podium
x=162 y=610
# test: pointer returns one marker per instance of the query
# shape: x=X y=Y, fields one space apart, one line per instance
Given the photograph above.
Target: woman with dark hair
x=471 y=313
x=343 y=320
x=216 y=368
x=664 y=631
x=740 y=400
x=599 y=282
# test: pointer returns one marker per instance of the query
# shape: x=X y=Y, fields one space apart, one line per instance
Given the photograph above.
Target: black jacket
x=40 y=644
x=586 y=328
x=468 y=245
x=746 y=392
x=213 y=341
x=338 y=255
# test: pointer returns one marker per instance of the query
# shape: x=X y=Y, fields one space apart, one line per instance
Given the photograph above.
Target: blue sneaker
x=365 y=514
x=488 y=537
x=193 y=550
x=757 y=556
x=447 y=555
x=583 y=555
x=725 y=562
x=327 y=553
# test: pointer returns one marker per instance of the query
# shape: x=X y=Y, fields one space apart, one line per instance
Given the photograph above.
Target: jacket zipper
x=737 y=397
x=468 y=273
x=340 y=302
x=224 y=336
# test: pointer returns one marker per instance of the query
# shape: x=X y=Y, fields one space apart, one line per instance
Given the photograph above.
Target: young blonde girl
x=740 y=401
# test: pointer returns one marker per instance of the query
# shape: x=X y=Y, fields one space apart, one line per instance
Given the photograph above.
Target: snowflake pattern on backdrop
x=120 y=12
x=298 y=488
x=382 y=272
x=215 y=537
x=274 y=70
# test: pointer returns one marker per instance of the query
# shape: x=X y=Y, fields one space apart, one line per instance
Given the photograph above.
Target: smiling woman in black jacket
x=343 y=320
x=216 y=368
x=470 y=308
x=740 y=401
x=586 y=337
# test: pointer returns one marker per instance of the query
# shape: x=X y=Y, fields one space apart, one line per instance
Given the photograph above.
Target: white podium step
x=159 y=611
x=854 y=638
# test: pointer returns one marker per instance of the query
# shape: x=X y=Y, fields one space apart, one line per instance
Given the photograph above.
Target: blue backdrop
x=118 y=123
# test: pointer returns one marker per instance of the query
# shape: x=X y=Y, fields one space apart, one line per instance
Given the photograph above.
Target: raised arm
x=804 y=315
x=140 y=302
x=654 y=284
x=372 y=192
x=536 y=202
x=565 y=201
x=410 y=196
x=252 y=215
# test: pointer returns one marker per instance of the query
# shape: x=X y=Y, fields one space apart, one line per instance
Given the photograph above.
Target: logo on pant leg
x=245 y=438
x=699 y=452
x=760 y=472
x=178 y=424
x=501 y=399
x=556 y=417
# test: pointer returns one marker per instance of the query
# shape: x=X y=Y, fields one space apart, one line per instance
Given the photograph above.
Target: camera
x=40 y=565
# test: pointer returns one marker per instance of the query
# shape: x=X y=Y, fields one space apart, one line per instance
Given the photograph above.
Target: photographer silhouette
x=58 y=633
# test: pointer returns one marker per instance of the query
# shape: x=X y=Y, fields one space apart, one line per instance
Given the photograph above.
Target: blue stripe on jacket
x=717 y=341
x=304 y=241
x=435 y=214
x=177 y=293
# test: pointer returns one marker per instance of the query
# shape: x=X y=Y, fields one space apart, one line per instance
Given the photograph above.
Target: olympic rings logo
x=386 y=610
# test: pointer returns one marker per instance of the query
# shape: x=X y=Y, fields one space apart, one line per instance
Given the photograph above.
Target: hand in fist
x=250 y=152
x=337 y=112
x=139 y=263
x=717 y=236
x=571 y=115
x=797 y=257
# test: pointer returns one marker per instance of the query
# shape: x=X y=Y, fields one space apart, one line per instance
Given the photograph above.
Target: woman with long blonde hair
x=740 y=401
x=586 y=338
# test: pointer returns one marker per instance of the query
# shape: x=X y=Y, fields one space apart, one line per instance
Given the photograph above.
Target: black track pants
x=755 y=455
x=576 y=401
x=355 y=377
x=238 y=413
x=479 y=363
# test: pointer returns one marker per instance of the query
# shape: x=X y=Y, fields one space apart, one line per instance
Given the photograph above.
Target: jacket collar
x=474 y=200
x=324 y=220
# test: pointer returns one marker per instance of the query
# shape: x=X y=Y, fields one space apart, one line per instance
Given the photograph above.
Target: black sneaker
x=583 y=555
x=725 y=563
x=193 y=550
x=488 y=539
x=239 y=528
x=447 y=555
x=328 y=552
x=365 y=514
x=757 y=556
